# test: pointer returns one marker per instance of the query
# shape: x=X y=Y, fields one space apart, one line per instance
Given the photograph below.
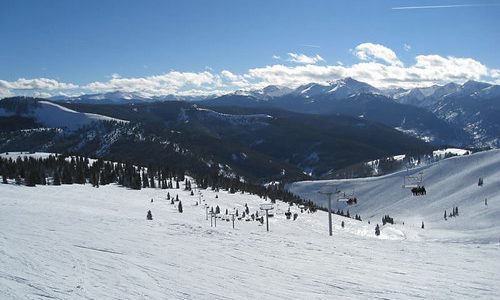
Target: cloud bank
x=376 y=64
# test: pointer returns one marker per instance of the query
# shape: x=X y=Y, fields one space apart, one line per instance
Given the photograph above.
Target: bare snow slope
x=449 y=183
x=56 y=116
x=79 y=242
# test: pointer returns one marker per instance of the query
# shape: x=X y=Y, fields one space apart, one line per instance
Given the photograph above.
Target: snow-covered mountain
x=339 y=89
x=51 y=115
x=265 y=93
x=118 y=97
x=429 y=96
x=81 y=242
x=115 y=97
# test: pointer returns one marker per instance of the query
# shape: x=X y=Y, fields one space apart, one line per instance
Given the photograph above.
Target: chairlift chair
x=350 y=199
x=413 y=181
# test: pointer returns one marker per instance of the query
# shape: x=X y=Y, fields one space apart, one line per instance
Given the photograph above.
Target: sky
x=69 y=47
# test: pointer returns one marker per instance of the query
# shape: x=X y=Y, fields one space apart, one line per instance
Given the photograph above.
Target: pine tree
x=176 y=197
x=32 y=178
x=57 y=178
x=445 y=215
x=180 y=206
x=422 y=224
x=149 y=215
x=377 y=230
x=342 y=224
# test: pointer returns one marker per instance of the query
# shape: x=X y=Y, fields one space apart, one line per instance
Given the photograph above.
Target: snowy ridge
x=56 y=116
x=235 y=119
x=449 y=183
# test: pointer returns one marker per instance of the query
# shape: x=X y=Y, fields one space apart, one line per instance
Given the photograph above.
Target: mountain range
x=266 y=134
x=456 y=114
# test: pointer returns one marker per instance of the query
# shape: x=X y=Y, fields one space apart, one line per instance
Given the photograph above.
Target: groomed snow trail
x=79 y=242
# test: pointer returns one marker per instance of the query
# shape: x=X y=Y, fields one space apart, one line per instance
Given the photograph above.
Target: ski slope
x=53 y=115
x=80 y=242
x=452 y=182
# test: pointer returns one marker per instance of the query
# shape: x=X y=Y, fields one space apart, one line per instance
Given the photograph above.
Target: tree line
x=71 y=169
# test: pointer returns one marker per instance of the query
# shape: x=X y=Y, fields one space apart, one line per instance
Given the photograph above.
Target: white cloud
x=304 y=59
x=377 y=65
x=442 y=6
x=235 y=80
x=427 y=70
x=164 y=84
x=276 y=57
x=406 y=47
x=311 y=46
x=36 y=84
x=370 y=51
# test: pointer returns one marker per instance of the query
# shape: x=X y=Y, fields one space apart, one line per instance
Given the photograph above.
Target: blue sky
x=56 y=46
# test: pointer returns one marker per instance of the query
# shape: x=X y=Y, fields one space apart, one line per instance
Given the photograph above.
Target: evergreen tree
x=152 y=182
x=145 y=181
x=66 y=176
x=179 y=206
x=149 y=215
x=422 y=224
x=342 y=224
x=57 y=178
x=445 y=215
x=32 y=178
x=377 y=230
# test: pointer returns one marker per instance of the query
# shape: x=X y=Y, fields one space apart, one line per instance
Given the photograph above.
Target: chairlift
x=411 y=181
x=350 y=199
x=415 y=182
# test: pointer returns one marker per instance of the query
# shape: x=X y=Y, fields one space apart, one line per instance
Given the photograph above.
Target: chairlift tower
x=232 y=214
x=329 y=193
x=267 y=207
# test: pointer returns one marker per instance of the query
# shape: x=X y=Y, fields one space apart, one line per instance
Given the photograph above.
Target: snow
x=79 y=242
x=449 y=183
x=15 y=155
x=56 y=116
x=454 y=151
